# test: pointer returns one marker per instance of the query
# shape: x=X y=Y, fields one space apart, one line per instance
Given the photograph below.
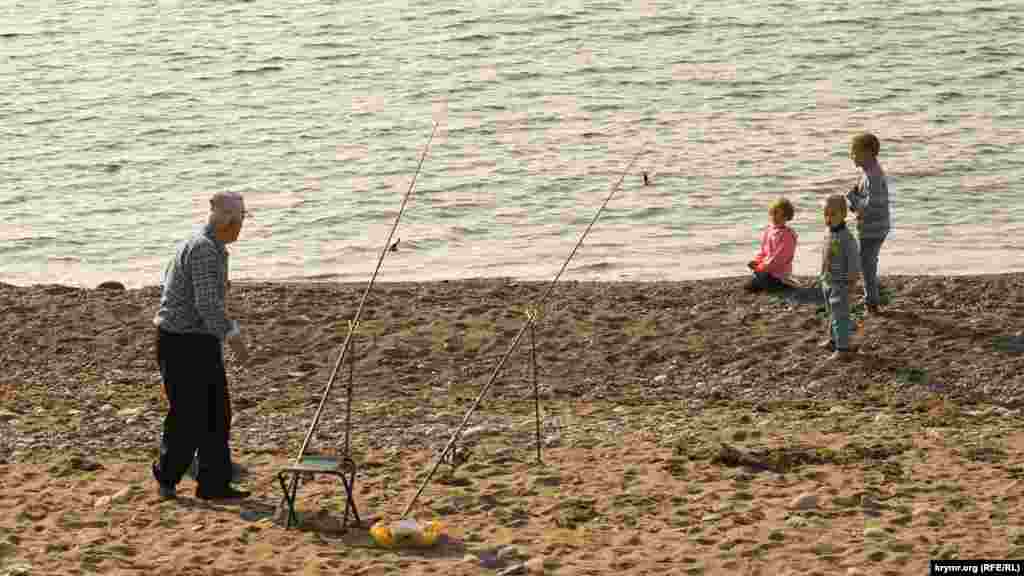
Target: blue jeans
x=839 y=326
x=869 y=249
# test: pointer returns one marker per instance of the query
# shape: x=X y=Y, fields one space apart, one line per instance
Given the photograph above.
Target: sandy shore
x=687 y=427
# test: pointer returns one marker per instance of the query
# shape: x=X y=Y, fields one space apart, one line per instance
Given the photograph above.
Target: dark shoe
x=166 y=491
x=225 y=493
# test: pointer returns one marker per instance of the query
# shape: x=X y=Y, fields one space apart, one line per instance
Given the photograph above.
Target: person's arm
x=857 y=198
x=826 y=256
x=759 y=257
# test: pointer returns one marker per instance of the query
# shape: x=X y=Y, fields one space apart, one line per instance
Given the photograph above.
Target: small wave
x=527 y=75
x=529 y=94
x=14 y=200
x=642 y=35
x=914 y=14
x=595 y=267
x=474 y=38
x=650 y=212
x=14 y=34
x=25 y=243
x=948 y=96
x=39 y=121
x=166 y=94
x=200 y=147
x=446 y=12
x=260 y=70
x=845 y=21
x=558 y=17
x=104 y=211
x=621 y=68
x=982 y=10
x=341 y=60
x=838 y=56
x=325 y=44
x=922 y=173
x=992 y=74
x=594 y=108
x=998 y=51
x=156 y=132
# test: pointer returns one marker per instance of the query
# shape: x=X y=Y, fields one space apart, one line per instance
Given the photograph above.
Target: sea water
x=119 y=119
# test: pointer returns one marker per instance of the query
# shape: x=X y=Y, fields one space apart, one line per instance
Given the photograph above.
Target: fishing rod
x=532 y=316
x=354 y=323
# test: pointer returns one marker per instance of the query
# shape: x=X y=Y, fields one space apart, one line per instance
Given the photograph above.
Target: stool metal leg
x=295 y=488
x=289 y=498
x=349 y=483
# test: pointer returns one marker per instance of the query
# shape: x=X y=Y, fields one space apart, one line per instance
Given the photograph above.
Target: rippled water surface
x=119 y=119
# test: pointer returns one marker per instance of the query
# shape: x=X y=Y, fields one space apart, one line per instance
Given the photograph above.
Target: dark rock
x=111 y=285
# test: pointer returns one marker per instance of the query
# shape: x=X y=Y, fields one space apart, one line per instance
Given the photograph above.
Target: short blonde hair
x=785 y=205
x=836 y=205
x=866 y=141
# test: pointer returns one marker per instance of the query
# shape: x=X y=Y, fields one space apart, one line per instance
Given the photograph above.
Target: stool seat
x=322 y=464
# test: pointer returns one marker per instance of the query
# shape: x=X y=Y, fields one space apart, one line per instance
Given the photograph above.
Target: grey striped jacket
x=871 y=198
x=841 y=258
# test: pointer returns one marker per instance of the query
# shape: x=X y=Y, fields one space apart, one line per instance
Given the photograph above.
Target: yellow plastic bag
x=406 y=532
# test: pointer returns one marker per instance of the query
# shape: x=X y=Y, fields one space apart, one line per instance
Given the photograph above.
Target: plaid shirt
x=192 y=301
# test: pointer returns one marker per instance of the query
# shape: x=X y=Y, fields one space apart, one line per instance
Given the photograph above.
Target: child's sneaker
x=827 y=345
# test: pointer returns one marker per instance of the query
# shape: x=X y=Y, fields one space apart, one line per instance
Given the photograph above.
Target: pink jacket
x=778 y=245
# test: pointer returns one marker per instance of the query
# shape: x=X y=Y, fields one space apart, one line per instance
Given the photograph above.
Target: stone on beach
x=805 y=502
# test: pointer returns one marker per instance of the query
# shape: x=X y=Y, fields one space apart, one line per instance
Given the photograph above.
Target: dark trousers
x=192 y=368
x=764 y=281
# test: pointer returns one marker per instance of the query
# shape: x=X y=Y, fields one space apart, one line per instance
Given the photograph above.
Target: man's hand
x=239 y=348
x=854 y=286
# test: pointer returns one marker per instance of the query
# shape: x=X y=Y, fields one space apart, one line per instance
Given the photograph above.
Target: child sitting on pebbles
x=840 y=270
x=773 y=264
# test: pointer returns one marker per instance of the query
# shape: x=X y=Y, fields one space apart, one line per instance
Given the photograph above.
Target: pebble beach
x=685 y=427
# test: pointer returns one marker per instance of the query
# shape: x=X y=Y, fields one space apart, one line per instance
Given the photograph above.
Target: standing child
x=840 y=267
x=774 y=261
x=869 y=199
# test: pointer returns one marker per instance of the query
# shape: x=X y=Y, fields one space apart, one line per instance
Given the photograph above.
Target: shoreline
x=316 y=280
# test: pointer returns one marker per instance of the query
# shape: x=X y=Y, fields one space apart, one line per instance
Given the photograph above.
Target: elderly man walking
x=191 y=329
